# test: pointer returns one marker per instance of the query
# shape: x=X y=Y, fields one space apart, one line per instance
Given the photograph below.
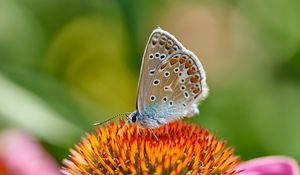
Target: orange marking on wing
x=190 y=71
x=195 y=79
x=163 y=66
x=196 y=91
x=181 y=60
x=187 y=64
x=173 y=61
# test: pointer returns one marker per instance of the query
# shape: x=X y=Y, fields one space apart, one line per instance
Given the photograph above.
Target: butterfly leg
x=153 y=134
x=167 y=129
x=123 y=127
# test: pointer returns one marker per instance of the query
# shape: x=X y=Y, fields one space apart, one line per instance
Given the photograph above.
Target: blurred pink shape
x=22 y=154
x=272 y=165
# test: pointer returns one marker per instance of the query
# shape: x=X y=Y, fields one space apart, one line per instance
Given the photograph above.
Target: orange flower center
x=176 y=148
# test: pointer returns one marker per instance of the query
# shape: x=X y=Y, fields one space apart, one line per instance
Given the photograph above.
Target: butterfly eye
x=133 y=119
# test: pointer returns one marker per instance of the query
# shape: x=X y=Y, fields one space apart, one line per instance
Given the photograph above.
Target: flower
x=271 y=165
x=176 y=148
x=21 y=154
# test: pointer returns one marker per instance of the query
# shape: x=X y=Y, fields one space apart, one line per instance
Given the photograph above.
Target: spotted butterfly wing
x=160 y=45
x=179 y=82
x=172 y=81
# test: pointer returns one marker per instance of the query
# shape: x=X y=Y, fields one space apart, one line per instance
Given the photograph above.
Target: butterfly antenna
x=105 y=121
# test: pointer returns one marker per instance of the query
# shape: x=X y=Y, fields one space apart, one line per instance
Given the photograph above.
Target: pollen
x=175 y=148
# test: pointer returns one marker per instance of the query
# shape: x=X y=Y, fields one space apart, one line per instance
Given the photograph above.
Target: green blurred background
x=65 y=64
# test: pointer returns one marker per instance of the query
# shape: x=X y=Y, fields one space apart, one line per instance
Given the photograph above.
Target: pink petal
x=21 y=154
x=272 y=165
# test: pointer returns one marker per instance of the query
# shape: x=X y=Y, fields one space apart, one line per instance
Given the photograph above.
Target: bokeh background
x=66 y=64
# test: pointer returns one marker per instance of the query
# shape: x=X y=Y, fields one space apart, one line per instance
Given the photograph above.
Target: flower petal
x=22 y=154
x=271 y=165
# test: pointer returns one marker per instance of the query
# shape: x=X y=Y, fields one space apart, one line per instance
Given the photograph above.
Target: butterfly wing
x=176 y=89
x=159 y=47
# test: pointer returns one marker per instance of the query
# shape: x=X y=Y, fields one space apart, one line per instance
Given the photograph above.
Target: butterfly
x=172 y=82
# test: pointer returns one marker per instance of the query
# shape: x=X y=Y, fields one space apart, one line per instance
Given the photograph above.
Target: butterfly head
x=133 y=117
x=136 y=118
